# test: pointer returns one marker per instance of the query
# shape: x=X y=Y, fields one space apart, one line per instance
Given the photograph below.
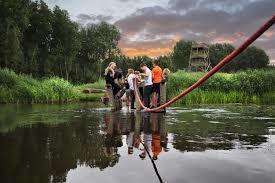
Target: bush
x=25 y=89
x=241 y=87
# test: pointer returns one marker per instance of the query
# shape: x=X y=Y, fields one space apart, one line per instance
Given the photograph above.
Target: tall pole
x=100 y=69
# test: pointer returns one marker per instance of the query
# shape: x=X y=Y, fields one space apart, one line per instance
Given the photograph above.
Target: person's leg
x=158 y=93
x=141 y=92
x=150 y=92
x=154 y=95
x=132 y=94
x=127 y=97
x=146 y=96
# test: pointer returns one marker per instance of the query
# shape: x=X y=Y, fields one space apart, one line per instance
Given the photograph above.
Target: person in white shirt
x=148 y=84
x=130 y=80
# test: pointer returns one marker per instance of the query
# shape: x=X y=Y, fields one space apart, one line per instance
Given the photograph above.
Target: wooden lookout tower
x=199 y=57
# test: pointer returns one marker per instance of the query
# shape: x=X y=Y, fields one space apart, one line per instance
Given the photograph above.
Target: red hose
x=226 y=60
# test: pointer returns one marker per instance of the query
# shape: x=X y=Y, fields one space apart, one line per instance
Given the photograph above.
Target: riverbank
x=16 y=88
x=257 y=87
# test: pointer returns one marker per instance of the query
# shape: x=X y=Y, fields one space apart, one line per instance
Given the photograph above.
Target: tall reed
x=243 y=87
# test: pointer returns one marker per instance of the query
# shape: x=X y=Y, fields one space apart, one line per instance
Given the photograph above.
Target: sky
x=152 y=27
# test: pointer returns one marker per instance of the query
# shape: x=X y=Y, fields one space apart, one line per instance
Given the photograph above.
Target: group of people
x=148 y=83
x=145 y=134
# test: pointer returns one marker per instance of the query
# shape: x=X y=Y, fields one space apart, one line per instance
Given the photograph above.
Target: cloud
x=204 y=20
x=181 y=4
x=85 y=18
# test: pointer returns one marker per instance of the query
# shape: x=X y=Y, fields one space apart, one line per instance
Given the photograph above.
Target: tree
x=13 y=21
x=251 y=58
x=217 y=52
x=165 y=62
x=98 y=45
x=13 y=53
x=181 y=54
x=37 y=39
x=65 y=42
x=105 y=40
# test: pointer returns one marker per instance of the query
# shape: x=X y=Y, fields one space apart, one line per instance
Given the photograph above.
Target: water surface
x=80 y=143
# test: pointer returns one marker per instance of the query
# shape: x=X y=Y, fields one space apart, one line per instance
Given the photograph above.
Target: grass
x=100 y=84
x=25 y=89
x=242 y=87
x=92 y=97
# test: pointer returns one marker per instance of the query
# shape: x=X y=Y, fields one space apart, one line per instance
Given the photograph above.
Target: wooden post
x=137 y=123
x=138 y=106
x=162 y=95
x=111 y=97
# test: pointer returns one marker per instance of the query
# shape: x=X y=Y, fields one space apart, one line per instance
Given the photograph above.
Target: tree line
x=41 y=42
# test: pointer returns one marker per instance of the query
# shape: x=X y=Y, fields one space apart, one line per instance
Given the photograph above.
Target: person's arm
x=146 y=74
x=138 y=79
x=111 y=80
x=143 y=74
x=153 y=71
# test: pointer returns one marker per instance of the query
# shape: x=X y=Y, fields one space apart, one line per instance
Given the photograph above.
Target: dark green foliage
x=241 y=87
x=99 y=44
x=124 y=63
x=166 y=62
x=251 y=58
x=24 y=89
x=42 y=42
x=217 y=52
x=181 y=54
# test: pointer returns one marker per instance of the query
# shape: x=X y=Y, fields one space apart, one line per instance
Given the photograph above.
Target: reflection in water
x=41 y=144
x=138 y=127
x=154 y=134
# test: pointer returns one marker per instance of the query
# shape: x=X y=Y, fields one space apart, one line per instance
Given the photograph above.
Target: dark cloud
x=182 y=4
x=204 y=20
x=124 y=0
x=225 y=5
x=85 y=18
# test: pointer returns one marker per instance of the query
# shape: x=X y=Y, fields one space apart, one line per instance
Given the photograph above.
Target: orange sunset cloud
x=151 y=52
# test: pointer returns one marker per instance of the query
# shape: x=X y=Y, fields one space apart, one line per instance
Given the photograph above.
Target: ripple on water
x=225 y=116
x=263 y=118
x=271 y=130
x=185 y=110
x=210 y=110
x=215 y=122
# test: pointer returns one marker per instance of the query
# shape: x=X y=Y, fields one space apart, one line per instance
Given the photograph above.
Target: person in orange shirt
x=156 y=147
x=157 y=77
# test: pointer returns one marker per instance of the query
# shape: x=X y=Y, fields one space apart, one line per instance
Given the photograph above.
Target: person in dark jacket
x=113 y=79
x=110 y=78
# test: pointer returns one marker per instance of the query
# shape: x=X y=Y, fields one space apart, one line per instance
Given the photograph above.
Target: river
x=82 y=143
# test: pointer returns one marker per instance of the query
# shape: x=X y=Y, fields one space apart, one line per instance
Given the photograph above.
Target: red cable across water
x=226 y=60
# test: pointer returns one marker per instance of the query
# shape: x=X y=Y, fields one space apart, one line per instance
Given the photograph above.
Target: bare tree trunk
x=6 y=42
x=61 y=74
x=66 y=69
x=6 y=61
